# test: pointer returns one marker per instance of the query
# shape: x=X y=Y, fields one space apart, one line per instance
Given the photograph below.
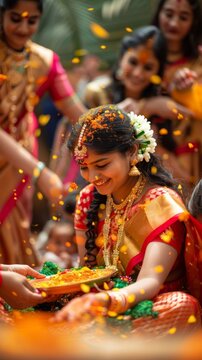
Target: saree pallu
x=178 y=312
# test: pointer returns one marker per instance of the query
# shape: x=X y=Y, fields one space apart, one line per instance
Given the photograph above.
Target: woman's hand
x=24 y=270
x=84 y=308
x=51 y=185
x=167 y=108
x=183 y=79
x=162 y=106
x=130 y=104
x=17 y=291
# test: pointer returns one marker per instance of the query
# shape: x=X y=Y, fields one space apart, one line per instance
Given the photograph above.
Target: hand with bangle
x=49 y=183
x=92 y=305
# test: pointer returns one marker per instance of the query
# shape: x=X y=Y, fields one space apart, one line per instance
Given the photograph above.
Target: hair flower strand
x=144 y=134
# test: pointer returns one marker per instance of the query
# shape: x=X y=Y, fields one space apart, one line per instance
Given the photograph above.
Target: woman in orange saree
x=27 y=70
x=180 y=22
x=131 y=218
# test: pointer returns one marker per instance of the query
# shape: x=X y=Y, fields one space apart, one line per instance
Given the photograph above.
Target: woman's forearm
x=143 y=289
x=15 y=154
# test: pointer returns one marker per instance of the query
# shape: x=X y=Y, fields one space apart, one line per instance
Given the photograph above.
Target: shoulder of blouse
x=46 y=55
x=86 y=191
x=100 y=84
x=155 y=191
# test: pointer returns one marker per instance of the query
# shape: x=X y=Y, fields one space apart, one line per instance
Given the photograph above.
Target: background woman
x=27 y=70
x=131 y=219
x=180 y=21
x=135 y=86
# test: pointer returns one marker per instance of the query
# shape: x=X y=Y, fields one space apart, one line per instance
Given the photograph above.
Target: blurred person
x=132 y=221
x=27 y=70
x=56 y=243
x=91 y=64
x=180 y=21
x=135 y=86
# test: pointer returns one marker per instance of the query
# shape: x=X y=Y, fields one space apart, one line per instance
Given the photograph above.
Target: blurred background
x=76 y=28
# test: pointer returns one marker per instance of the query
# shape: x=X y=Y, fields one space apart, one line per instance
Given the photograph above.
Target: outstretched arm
x=162 y=106
x=49 y=183
x=17 y=291
x=24 y=270
x=158 y=261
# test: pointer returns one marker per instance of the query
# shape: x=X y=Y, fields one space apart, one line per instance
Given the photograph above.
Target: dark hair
x=9 y=4
x=195 y=202
x=140 y=37
x=109 y=129
x=193 y=38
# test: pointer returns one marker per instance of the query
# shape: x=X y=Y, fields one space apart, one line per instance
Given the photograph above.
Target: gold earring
x=134 y=170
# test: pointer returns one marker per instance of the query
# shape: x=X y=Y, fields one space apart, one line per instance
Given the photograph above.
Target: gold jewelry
x=118 y=207
x=118 y=302
x=81 y=151
x=37 y=171
x=120 y=220
x=19 y=75
x=134 y=170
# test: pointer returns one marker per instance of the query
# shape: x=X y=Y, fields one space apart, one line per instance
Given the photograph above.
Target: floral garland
x=147 y=143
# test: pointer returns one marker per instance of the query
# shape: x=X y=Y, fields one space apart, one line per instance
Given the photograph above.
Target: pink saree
x=45 y=74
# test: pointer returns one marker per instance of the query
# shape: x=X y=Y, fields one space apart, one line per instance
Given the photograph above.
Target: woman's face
x=136 y=68
x=20 y=23
x=175 y=19
x=107 y=172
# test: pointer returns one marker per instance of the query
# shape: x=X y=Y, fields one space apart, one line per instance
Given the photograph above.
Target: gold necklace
x=120 y=219
x=125 y=201
x=15 y=66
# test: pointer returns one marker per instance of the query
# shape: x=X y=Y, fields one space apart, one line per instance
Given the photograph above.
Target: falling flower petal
x=44 y=119
x=99 y=31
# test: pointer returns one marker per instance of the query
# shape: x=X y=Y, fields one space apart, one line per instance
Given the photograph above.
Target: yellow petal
x=85 y=288
x=99 y=31
x=44 y=119
x=172 y=331
x=159 y=269
x=192 y=319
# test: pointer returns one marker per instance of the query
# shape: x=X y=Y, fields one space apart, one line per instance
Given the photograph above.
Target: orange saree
x=160 y=215
x=188 y=131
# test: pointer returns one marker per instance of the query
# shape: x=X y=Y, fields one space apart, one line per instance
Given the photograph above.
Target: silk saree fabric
x=159 y=215
x=25 y=77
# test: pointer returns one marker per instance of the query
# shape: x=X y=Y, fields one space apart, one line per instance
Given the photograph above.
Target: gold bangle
x=118 y=302
x=37 y=171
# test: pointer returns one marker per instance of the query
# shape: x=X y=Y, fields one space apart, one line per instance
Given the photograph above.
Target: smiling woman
x=180 y=21
x=131 y=219
x=21 y=22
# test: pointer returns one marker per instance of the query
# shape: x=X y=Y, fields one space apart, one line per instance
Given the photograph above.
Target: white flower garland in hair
x=147 y=143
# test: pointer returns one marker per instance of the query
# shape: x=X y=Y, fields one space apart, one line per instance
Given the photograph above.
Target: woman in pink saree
x=27 y=71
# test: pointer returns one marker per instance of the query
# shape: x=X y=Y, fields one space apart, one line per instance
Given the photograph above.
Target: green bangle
x=37 y=171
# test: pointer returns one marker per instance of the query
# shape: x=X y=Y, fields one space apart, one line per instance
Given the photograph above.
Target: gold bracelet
x=118 y=302
x=37 y=171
